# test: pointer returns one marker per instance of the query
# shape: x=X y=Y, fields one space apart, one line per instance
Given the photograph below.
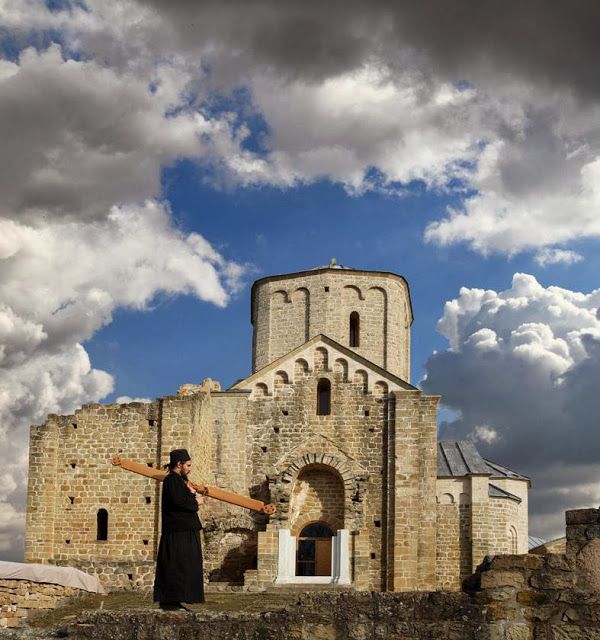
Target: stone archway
x=354 y=487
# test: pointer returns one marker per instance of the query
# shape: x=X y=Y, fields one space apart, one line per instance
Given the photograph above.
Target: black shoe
x=171 y=606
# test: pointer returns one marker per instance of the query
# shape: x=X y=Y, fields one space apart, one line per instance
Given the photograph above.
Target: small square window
x=326 y=289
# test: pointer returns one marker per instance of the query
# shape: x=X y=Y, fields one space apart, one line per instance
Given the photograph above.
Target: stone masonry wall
x=511 y=597
x=289 y=310
x=284 y=431
x=63 y=521
x=21 y=598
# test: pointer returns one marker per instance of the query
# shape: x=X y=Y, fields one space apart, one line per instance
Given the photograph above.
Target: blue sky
x=160 y=156
x=180 y=339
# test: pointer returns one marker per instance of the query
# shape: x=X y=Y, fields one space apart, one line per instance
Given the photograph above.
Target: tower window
x=102 y=524
x=354 y=329
x=323 y=397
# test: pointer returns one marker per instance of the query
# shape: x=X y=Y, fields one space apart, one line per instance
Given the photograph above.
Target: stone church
x=327 y=427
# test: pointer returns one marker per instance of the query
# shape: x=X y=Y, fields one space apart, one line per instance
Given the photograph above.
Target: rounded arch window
x=354 y=340
x=102 y=524
x=323 y=397
x=313 y=556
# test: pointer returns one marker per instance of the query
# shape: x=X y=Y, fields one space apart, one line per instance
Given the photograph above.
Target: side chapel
x=327 y=427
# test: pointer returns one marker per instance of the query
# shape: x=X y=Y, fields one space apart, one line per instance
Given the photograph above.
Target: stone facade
x=328 y=432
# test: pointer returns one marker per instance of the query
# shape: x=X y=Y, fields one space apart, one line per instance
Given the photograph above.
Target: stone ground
x=54 y=622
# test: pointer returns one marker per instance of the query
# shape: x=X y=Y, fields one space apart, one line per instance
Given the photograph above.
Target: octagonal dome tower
x=368 y=311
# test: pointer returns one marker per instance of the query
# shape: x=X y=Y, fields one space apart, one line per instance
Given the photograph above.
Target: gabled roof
x=313 y=342
x=460 y=458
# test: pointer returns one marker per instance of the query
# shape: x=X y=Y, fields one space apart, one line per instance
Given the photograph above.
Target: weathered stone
x=552 y=580
x=512 y=562
x=582 y=516
x=493 y=579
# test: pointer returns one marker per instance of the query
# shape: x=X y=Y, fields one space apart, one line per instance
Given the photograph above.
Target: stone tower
x=368 y=311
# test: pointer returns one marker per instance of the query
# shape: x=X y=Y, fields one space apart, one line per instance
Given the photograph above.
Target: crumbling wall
x=20 y=598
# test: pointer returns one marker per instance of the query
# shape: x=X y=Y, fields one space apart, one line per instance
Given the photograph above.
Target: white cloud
x=549 y=256
x=129 y=399
x=522 y=373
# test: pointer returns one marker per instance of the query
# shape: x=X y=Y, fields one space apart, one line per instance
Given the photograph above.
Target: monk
x=179 y=575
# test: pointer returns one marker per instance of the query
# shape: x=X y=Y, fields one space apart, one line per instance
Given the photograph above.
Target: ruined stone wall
x=287 y=311
x=19 y=599
x=230 y=532
x=82 y=446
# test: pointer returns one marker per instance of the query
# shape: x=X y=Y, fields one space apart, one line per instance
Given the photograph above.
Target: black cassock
x=179 y=562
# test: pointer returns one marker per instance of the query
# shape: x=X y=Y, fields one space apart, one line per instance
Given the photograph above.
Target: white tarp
x=65 y=576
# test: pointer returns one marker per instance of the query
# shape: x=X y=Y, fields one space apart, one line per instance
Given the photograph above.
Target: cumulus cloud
x=502 y=110
x=521 y=370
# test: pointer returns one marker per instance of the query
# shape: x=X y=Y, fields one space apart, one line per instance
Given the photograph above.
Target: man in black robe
x=179 y=563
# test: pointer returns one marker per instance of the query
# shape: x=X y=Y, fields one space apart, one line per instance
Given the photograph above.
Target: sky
x=158 y=157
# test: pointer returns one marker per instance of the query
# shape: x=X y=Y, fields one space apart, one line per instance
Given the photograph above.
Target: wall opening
x=313 y=556
x=102 y=524
x=323 y=397
x=354 y=329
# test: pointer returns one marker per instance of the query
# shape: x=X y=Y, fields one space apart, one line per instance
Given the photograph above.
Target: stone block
x=552 y=580
x=512 y=562
x=582 y=516
x=494 y=579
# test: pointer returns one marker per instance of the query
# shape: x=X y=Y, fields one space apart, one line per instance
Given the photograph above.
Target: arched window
x=102 y=524
x=354 y=329
x=313 y=556
x=323 y=397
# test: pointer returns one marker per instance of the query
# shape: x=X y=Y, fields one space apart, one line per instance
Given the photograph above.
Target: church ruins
x=327 y=427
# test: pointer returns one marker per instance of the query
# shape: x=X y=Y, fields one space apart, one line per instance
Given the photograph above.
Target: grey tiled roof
x=461 y=458
x=497 y=492
x=534 y=541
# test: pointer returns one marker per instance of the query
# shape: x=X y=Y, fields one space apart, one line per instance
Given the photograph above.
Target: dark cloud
x=545 y=41
x=523 y=374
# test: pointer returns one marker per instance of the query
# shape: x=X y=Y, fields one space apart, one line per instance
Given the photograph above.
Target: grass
x=129 y=600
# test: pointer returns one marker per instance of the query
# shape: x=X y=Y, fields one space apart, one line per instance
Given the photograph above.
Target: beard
x=184 y=475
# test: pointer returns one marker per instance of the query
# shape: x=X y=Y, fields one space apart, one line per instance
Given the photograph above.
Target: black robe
x=179 y=563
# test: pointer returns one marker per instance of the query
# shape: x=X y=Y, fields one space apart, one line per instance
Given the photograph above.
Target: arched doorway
x=313 y=552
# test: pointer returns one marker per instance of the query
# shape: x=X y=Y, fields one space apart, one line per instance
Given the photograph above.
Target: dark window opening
x=68 y=541
x=378 y=523
x=264 y=449
x=150 y=423
x=145 y=542
x=130 y=576
x=71 y=499
x=148 y=499
x=74 y=425
x=150 y=464
x=285 y=412
x=102 y=524
x=373 y=556
x=73 y=465
x=354 y=329
x=323 y=397
x=366 y=413
x=326 y=289
x=276 y=429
